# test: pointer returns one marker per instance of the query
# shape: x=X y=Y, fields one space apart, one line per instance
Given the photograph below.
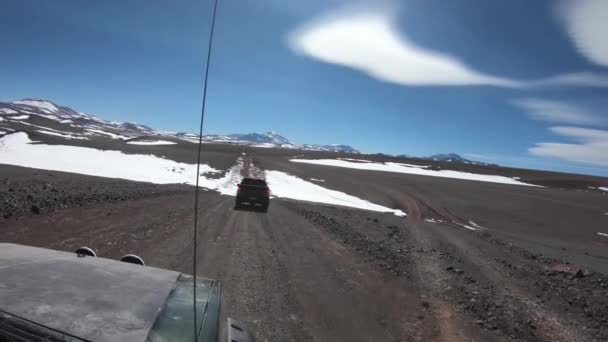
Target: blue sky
x=520 y=83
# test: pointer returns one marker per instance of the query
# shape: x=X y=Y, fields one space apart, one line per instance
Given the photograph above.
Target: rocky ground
x=26 y=191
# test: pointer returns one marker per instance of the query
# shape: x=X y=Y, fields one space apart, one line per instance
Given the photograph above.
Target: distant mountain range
x=46 y=117
x=446 y=157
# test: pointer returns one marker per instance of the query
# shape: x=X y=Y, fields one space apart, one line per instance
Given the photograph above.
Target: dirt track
x=314 y=272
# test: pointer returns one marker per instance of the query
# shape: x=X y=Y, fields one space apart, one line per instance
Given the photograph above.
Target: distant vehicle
x=254 y=192
x=48 y=295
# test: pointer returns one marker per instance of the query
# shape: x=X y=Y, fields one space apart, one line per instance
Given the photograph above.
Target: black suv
x=254 y=192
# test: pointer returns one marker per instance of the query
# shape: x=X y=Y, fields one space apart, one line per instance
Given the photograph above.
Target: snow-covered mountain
x=48 y=118
x=448 y=157
x=453 y=158
x=267 y=139
x=330 y=148
x=273 y=138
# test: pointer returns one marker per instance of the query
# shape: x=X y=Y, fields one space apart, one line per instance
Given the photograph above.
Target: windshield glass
x=329 y=170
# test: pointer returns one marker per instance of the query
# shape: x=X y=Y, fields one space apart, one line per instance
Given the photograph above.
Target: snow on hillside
x=152 y=143
x=17 y=149
x=411 y=169
x=45 y=106
x=56 y=134
x=7 y=111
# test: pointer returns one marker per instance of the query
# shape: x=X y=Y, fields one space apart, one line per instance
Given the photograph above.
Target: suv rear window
x=251 y=181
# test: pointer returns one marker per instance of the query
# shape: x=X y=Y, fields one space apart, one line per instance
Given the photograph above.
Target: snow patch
x=111 y=135
x=603 y=188
x=467 y=226
x=19 y=117
x=7 y=111
x=17 y=149
x=37 y=126
x=44 y=105
x=410 y=169
x=67 y=136
x=284 y=185
x=316 y=180
x=470 y=226
x=228 y=184
x=94 y=118
x=475 y=225
x=47 y=116
x=156 y=142
x=602 y=234
x=265 y=145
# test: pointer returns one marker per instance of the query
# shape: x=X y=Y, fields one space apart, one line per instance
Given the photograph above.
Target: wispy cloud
x=586 y=24
x=369 y=43
x=574 y=79
x=559 y=111
x=590 y=146
x=586 y=145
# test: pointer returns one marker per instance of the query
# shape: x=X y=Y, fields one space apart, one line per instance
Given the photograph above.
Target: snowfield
x=18 y=149
x=152 y=143
x=284 y=185
x=411 y=169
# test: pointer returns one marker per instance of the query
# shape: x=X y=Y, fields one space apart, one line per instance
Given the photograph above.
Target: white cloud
x=581 y=134
x=369 y=43
x=588 y=146
x=558 y=111
x=591 y=146
x=586 y=23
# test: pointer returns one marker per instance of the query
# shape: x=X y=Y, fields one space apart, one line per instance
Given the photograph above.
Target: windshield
x=338 y=170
